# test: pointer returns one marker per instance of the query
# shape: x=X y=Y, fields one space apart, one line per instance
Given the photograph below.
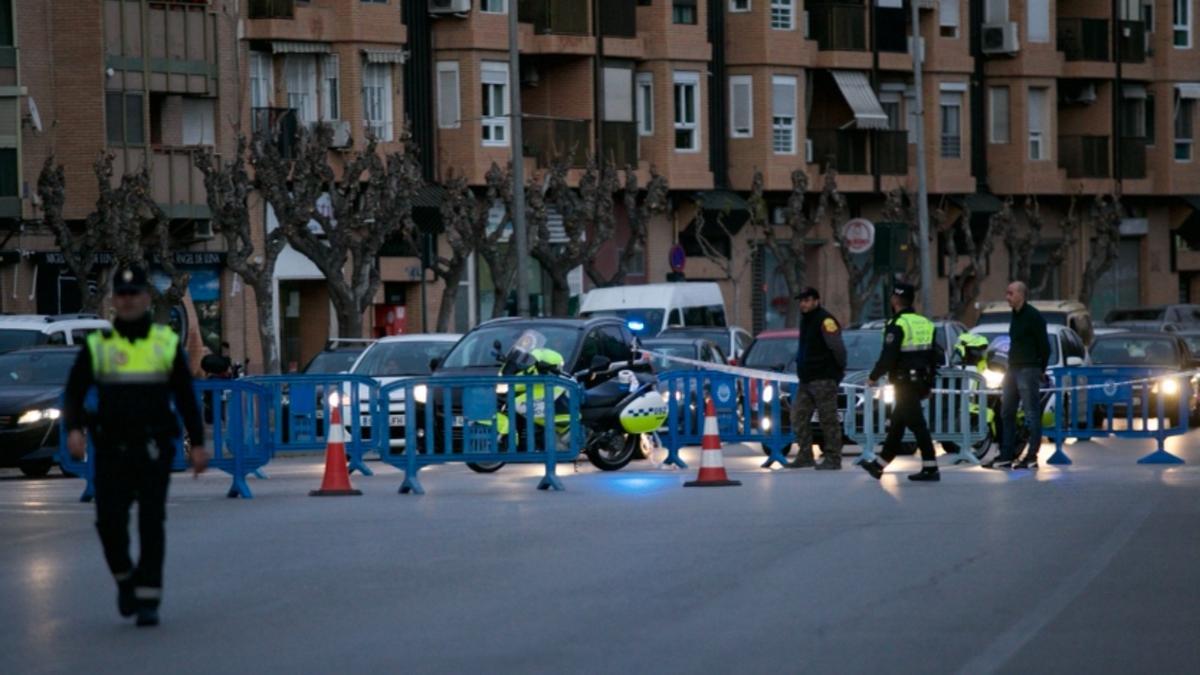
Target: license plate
x=395 y=420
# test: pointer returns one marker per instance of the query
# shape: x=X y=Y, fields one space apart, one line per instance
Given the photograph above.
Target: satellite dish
x=35 y=119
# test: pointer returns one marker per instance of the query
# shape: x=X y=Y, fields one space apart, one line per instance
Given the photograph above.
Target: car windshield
x=395 y=359
x=681 y=350
x=26 y=368
x=776 y=354
x=14 y=338
x=1140 y=314
x=478 y=350
x=993 y=338
x=718 y=335
x=1193 y=343
x=862 y=348
x=335 y=361
x=1052 y=318
x=640 y=321
x=1134 y=351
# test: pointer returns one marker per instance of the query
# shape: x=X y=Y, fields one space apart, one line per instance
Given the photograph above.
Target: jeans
x=1021 y=387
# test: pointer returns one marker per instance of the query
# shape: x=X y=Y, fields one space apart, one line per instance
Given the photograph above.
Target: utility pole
x=520 y=237
x=922 y=192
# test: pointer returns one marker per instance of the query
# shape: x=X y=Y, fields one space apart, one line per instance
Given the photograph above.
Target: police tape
x=772 y=376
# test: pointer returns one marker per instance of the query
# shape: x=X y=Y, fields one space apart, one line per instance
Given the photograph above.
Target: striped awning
x=554 y=224
x=1133 y=91
x=385 y=55
x=861 y=98
x=297 y=47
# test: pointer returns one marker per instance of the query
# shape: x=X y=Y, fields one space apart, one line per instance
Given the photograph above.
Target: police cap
x=807 y=293
x=130 y=279
x=905 y=292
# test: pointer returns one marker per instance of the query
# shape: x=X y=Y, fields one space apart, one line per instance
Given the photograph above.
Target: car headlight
x=501 y=389
x=678 y=395
x=766 y=424
x=993 y=378
x=420 y=393
x=335 y=399
x=35 y=416
x=887 y=393
x=768 y=394
x=1168 y=387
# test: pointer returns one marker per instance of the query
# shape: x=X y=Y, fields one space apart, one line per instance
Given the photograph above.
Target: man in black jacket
x=820 y=365
x=1028 y=356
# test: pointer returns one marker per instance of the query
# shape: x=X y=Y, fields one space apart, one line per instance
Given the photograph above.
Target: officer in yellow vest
x=909 y=359
x=137 y=368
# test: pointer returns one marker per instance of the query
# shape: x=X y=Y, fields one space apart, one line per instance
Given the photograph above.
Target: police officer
x=820 y=365
x=138 y=367
x=909 y=360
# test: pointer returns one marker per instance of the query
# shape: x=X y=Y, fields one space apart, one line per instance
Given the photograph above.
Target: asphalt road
x=1093 y=568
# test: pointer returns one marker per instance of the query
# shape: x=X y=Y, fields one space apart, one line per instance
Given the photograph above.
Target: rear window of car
x=1127 y=351
x=334 y=361
x=1139 y=314
x=394 y=359
x=15 y=338
x=771 y=354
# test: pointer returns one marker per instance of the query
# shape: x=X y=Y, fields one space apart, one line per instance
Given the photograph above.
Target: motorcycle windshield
x=520 y=356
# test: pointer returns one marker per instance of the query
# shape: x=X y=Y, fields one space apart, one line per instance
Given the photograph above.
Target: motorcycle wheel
x=485 y=467
x=611 y=451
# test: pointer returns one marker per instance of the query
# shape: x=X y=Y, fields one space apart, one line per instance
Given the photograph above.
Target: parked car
x=733 y=340
x=31 y=384
x=946 y=332
x=649 y=309
x=395 y=358
x=18 y=331
x=1153 y=350
x=338 y=356
x=1160 y=317
x=1192 y=338
x=697 y=349
x=1066 y=347
x=1070 y=313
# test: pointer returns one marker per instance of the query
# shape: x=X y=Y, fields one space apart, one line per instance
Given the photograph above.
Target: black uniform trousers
x=129 y=471
x=907 y=414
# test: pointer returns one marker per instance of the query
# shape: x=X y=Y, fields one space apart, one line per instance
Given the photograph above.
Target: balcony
x=619 y=19
x=892 y=149
x=176 y=185
x=1133 y=42
x=839 y=26
x=1133 y=158
x=1084 y=156
x=555 y=17
x=272 y=9
x=895 y=37
x=843 y=149
x=1083 y=39
x=278 y=125
x=548 y=139
x=621 y=143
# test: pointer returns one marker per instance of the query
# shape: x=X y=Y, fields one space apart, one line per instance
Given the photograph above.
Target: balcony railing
x=278 y=125
x=621 y=143
x=1133 y=158
x=618 y=18
x=846 y=149
x=1083 y=39
x=555 y=17
x=1084 y=156
x=176 y=184
x=892 y=152
x=838 y=26
x=1133 y=42
x=547 y=140
x=272 y=9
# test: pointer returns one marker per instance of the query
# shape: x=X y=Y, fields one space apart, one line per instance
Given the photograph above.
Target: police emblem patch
x=891 y=338
x=829 y=325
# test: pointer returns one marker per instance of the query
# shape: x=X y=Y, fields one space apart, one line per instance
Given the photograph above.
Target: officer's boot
x=126 y=600
x=874 y=467
x=147 y=606
x=830 y=463
x=927 y=474
x=804 y=459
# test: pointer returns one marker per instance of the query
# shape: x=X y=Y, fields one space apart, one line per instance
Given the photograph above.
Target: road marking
x=1008 y=643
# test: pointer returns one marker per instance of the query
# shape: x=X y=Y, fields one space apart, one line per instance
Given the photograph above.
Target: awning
x=722 y=200
x=857 y=91
x=385 y=55
x=1188 y=89
x=297 y=47
x=1133 y=91
x=9 y=257
x=1189 y=229
x=728 y=206
x=978 y=202
x=292 y=264
x=554 y=226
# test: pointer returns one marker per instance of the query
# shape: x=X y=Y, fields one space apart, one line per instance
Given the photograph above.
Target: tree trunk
x=349 y=316
x=560 y=294
x=264 y=302
x=452 y=280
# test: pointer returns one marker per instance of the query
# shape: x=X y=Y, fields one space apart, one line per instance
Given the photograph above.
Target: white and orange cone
x=337 y=478
x=712 y=460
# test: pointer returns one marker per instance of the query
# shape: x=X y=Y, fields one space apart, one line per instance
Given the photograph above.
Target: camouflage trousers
x=821 y=396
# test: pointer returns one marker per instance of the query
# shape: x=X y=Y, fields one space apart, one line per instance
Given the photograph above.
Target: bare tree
x=733 y=267
x=228 y=186
x=80 y=251
x=1105 y=220
x=861 y=277
x=370 y=201
x=1069 y=227
x=639 y=214
x=790 y=253
x=966 y=280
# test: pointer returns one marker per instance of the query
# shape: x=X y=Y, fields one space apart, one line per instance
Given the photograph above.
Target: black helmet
x=997 y=354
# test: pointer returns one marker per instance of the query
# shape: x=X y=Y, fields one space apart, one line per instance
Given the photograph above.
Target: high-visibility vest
x=918 y=332
x=148 y=360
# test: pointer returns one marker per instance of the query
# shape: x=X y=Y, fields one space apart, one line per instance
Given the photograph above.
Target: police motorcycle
x=619 y=406
x=997 y=367
x=970 y=351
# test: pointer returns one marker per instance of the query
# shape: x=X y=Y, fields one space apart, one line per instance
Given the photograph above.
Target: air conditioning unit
x=341 y=133
x=449 y=6
x=1000 y=38
x=202 y=229
x=808 y=151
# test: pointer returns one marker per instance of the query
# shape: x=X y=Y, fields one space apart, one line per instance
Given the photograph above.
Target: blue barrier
x=1091 y=400
x=748 y=411
x=300 y=406
x=457 y=422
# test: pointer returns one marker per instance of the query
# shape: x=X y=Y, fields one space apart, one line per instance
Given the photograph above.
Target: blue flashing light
x=636 y=326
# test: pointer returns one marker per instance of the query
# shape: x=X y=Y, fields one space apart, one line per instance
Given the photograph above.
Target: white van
x=649 y=309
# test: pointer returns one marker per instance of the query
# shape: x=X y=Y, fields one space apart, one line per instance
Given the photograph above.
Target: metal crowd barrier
x=748 y=411
x=457 y=421
x=301 y=404
x=956 y=411
x=1120 y=401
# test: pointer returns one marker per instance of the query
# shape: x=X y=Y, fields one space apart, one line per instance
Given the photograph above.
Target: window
x=1181 y=23
x=1037 y=14
x=687 y=111
x=890 y=102
x=261 y=85
x=1039 y=142
x=198 y=128
x=124 y=118
x=495 y=103
x=614 y=345
x=377 y=100
x=783 y=115
x=1150 y=119
x=300 y=77
x=331 y=97
x=1184 y=112
x=739 y=5
x=645 y=103
x=1133 y=116
x=6 y=23
x=951 y=105
x=948 y=18
x=741 y=106
x=447 y=83
x=783 y=14
x=493 y=6
x=998 y=101
x=683 y=11
x=995 y=11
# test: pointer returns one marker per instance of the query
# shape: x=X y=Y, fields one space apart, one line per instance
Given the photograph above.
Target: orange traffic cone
x=712 y=462
x=337 y=478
